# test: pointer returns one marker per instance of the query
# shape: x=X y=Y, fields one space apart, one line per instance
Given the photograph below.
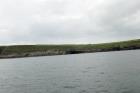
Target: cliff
x=16 y=51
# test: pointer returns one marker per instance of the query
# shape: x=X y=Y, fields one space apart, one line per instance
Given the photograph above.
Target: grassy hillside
x=68 y=49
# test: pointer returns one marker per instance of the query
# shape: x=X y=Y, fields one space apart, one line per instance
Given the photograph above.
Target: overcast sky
x=68 y=21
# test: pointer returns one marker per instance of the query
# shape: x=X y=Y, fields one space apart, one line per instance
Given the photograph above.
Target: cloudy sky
x=68 y=21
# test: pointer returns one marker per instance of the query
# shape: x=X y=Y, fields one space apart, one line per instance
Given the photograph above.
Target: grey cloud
x=67 y=21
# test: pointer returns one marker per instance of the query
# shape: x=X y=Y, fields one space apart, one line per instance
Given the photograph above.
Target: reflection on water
x=110 y=72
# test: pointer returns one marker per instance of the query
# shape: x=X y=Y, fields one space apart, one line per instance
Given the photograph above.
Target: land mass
x=17 y=51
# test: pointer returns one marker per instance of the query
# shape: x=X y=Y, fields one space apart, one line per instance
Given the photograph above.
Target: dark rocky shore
x=49 y=50
x=51 y=53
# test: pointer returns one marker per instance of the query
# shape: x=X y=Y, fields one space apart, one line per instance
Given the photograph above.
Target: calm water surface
x=110 y=72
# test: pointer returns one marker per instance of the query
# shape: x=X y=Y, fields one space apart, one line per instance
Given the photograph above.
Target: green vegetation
x=43 y=50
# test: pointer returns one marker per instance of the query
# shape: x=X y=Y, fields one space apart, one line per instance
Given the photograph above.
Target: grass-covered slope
x=44 y=50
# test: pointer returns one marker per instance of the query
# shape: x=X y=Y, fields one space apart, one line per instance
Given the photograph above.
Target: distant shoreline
x=6 y=57
x=20 y=51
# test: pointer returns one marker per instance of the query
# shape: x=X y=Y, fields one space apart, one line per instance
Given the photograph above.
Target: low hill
x=45 y=50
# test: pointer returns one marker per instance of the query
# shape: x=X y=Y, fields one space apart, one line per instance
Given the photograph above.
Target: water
x=110 y=72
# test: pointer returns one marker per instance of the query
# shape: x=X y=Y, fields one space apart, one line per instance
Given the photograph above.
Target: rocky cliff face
x=59 y=52
x=48 y=50
x=31 y=54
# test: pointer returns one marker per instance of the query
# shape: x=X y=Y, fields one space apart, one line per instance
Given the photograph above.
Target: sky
x=68 y=21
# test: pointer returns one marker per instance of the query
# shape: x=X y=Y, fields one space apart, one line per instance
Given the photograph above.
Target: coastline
x=20 y=51
x=23 y=56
